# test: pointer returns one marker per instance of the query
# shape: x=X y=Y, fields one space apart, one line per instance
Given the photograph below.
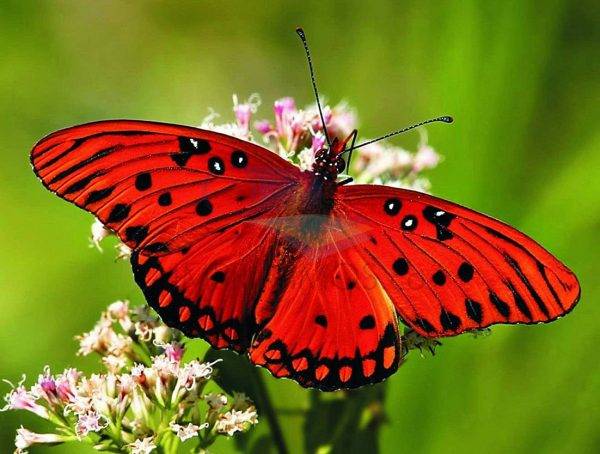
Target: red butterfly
x=234 y=244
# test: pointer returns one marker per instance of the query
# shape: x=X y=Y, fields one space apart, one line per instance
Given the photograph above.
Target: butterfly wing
x=192 y=204
x=325 y=321
x=449 y=269
x=162 y=187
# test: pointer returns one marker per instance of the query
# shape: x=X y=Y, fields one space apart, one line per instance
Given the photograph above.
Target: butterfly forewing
x=449 y=269
x=161 y=187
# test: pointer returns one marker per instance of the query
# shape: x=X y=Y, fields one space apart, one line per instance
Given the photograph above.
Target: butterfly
x=307 y=275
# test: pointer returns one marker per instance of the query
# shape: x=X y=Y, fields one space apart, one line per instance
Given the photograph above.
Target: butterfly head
x=330 y=162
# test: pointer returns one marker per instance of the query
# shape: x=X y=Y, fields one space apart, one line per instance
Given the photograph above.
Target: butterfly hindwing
x=209 y=289
x=326 y=322
x=449 y=269
x=161 y=187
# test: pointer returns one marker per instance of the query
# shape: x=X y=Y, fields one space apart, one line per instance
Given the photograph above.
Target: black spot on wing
x=81 y=184
x=136 y=233
x=218 y=276
x=502 y=307
x=100 y=194
x=441 y=219
x=439 y=278
x=204 y=207
x=367 y=322
x=143 y=181
x=409 y=223
x=81 y=164
x=119 y=213
x=189 y=147
x=424 y=325
x=449 y=321
x=400 y=266
x=474 y=310
x=519 y=301
x=321 y=320
x=239 y=159
x=216 y=165
x=392 y=206
x=156 y=247
x=536 y=297
x=465 y=272
x=165 y=199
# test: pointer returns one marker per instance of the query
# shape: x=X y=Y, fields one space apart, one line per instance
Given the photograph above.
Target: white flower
x=79 y=405
x=162 y=335
x=90 y=421
x=126 y=383
x=187 y=432
x=99 y=232
x=236 y=421
x=137 y=371
x=307 y=159
x=142 y=446
x=144 y=330
x=123 y=251
x=119 y=311
x=193 y=371
x=164 y=366
x=115 y=363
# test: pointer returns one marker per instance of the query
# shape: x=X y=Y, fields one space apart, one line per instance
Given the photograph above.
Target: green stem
x=265 y=405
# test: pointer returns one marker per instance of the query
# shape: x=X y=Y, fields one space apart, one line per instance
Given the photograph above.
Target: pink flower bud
x=174 y=351
x=20 y=399
x=263 y=126
x=318 y=142
x=284 y=106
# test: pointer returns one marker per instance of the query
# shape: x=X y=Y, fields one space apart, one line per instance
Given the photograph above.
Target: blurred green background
x=521 y=80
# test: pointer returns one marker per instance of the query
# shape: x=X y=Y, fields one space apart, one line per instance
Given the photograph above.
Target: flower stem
x=265 y=405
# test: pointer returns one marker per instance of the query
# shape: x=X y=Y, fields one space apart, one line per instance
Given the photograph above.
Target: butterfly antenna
x=445 y=119
x=302 y=36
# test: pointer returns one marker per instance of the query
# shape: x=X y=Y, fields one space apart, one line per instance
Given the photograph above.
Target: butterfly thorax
x=326 y=167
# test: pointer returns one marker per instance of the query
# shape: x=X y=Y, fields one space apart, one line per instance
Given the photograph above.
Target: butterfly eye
x=341 y=165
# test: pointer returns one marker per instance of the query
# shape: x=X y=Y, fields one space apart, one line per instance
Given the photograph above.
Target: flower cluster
x=297 y=134
x=148 y=397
